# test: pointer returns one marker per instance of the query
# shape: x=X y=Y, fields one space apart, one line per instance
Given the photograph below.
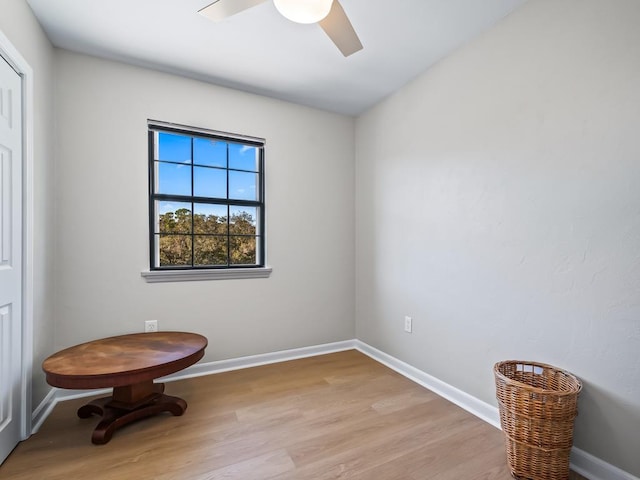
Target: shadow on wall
x=600 y=414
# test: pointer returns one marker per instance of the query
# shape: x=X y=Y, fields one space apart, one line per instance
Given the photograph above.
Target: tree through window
x=206 y=198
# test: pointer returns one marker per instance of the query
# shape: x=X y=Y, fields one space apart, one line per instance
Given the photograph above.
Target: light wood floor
x=334 y=416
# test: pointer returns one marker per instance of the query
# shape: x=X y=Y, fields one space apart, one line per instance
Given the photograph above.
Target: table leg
x=128 y=405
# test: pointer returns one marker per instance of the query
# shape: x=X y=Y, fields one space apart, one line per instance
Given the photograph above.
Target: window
x=206 y=199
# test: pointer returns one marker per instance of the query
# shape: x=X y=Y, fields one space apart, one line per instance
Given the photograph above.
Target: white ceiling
x=260 y=51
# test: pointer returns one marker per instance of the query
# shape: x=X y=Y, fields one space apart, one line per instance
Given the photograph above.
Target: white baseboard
x=261 y=359
x=582 y=462
x=596 y=469
x=43 y=410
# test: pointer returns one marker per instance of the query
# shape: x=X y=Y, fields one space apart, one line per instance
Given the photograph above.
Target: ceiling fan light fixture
x=304 y=11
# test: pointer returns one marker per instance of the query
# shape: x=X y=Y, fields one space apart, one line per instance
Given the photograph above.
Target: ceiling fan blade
x=339 y=29
x=221 y=9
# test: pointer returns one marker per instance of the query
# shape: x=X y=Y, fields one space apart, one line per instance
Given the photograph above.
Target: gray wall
x=102 y=109
x=21 y=28
x=497 y=202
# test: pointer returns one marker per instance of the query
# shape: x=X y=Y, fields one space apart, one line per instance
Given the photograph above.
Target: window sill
x=155 y=276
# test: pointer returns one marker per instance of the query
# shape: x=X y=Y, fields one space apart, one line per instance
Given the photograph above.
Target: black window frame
x=195 y=132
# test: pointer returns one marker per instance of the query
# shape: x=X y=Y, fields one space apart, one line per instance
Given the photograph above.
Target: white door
x=10 y=257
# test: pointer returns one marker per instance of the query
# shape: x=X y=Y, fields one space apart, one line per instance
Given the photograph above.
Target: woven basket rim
x=537 y=389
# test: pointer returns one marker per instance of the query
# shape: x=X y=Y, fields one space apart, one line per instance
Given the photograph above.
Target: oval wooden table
x=128 y=364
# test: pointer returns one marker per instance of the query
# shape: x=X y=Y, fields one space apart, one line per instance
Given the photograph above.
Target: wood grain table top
x=123 y=360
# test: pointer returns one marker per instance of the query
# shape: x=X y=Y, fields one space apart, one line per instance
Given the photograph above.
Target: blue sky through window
x=210 y=159
x=174 y=148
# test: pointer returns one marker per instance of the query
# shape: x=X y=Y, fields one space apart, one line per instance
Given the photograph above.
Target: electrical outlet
x=151 y=326
x=408 y=324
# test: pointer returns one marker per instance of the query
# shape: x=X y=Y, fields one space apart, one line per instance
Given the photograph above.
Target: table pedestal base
x=128 y=404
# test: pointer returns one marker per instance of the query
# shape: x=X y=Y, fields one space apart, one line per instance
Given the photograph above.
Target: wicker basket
x=538 y=404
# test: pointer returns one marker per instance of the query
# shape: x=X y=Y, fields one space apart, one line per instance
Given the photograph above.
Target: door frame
x=20 y=65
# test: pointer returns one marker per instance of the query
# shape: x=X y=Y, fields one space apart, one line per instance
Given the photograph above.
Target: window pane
x=209 y=152
x=201 y=180
x=173 y=148
x=242 y=250
x=243 y=157
x=174 y=250
x=173 y=179
x=243 y=185
x=210 y=218
x=173 y=217
x=243 y=220
x=210 y=250
x=209 y=182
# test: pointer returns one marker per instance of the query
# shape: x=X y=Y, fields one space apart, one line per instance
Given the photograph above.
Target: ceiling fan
x=329 y=14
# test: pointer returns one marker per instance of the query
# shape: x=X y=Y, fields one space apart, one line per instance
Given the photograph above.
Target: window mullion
x=151 y=139
x=228 y=215
x=193 y=211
